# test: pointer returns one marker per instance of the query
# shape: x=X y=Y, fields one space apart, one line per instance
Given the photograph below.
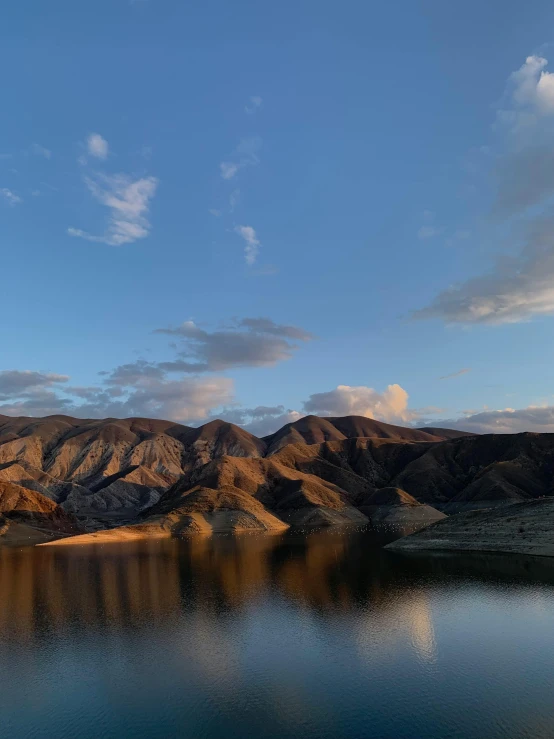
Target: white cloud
x=252 y=243
x=216 y=213
x=97 y=146
x=245 y=155
x=161 y=389
x=185 y=400
x=390 y=405
x=10 y=197
x=254 y=104
x=128 y=201
x=228 y=170
x=515 y=288
x=538 y=419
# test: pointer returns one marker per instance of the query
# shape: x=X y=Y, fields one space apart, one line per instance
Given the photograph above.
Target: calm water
x=318 y=635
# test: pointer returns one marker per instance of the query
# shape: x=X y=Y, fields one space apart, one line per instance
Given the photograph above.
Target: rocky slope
x=525 y=528
x=27 y=517
x=122 y=466
x=169 y=479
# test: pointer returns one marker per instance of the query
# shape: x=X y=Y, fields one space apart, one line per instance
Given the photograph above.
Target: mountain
x=168 y=479
x=314 y=430
x=395 y=507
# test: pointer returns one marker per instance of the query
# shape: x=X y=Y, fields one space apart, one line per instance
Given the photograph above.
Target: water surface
x=317 y=635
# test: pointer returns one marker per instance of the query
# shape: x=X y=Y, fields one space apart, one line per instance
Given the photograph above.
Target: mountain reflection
x=149 y=583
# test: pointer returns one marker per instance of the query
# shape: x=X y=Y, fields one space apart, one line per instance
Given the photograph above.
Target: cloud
x=251 y=342
x=138 y=389
x=262 y=420
x=162 y=389
x=456 y=374
x=516 y=289
x=228 y=170
x=520 y=286
x=10 y=197
x=97 y=146
x=245 y=155
x=507 y=421
x=41 y=151
x=128 y=200
x=252 y=243
x=234 y=198
x=27 y=392
x=185 y=400
x=133 y=373
x=390 y=405
x=253 y=104
x=216 y=213
x=24 y=381
x=427 y=232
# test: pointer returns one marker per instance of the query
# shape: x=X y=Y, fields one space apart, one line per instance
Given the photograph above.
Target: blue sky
x=371 y=179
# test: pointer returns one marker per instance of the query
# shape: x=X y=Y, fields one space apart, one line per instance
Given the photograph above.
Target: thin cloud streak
x=456 y=374
x=129 y=202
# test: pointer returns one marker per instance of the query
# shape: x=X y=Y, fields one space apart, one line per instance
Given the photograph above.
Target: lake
x=317 y=635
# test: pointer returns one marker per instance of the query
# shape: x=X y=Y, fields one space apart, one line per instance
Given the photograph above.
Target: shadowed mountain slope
x=29 y=517
x=526 y=528
x=316 y=471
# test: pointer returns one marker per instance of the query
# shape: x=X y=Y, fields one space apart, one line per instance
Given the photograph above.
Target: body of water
x=315 y=635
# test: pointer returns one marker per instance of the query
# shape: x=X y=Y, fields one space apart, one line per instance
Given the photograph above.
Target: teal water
x=317 y=635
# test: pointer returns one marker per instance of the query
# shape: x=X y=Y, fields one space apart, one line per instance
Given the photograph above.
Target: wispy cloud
x=41 y=151
x=10 y=197
x=428 y=230
x=234 y=198
x=97 y=146
x=250 y=342
x=245 y=155
x=516 y=287
x=253 y=104
x=185 y=389
x=505 y=421
x=252 y=247
x=228 y=170
x=128 y=200
x=456 y=374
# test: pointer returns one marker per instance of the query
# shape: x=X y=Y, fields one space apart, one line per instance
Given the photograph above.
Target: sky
x=256 y=211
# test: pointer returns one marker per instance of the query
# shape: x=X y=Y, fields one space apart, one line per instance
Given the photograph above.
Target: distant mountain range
x=158 y=478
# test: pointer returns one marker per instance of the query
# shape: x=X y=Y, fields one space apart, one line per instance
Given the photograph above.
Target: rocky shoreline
x=522 y=528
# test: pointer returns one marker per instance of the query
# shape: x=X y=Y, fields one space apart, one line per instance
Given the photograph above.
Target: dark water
x=319 y=636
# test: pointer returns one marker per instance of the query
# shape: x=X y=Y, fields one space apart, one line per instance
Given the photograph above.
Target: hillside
x=317 y=471
x=27 y=517
x=525 y=528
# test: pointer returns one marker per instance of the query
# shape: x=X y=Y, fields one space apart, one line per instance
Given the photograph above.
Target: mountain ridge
x=155 y=477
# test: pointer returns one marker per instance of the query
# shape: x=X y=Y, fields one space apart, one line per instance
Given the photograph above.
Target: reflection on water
x=315 y=635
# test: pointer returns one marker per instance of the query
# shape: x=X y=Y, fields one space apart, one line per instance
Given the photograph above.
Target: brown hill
x=172 y=478
x=314 y=430
x=526 y=528
x=29 y=517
